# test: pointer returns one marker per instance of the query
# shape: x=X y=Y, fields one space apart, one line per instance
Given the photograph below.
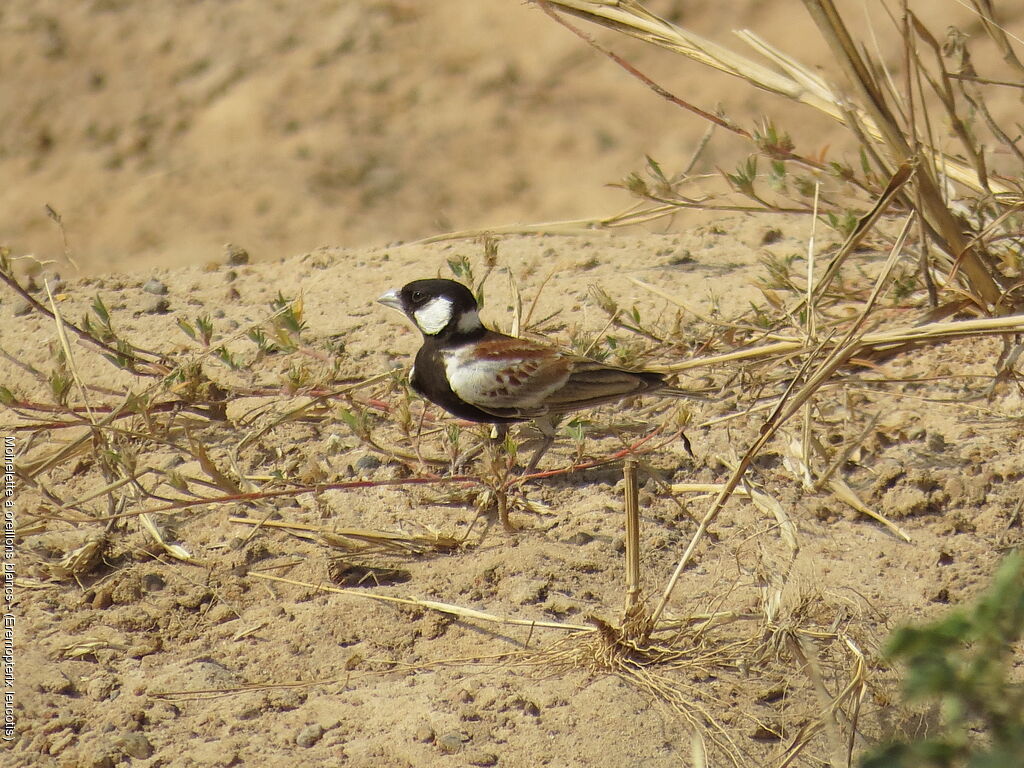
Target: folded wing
x=516 y=378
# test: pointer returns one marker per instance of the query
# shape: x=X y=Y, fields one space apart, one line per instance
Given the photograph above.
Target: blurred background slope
x=159 y=131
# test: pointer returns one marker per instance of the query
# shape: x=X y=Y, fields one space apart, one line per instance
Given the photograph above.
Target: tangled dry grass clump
x=134 y=456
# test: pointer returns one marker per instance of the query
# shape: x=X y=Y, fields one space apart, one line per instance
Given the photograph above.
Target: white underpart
x=434 y=316
x=469 y=321
x=477 y=382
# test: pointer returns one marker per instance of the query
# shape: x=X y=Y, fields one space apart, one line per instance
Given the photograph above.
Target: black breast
x=429 y=381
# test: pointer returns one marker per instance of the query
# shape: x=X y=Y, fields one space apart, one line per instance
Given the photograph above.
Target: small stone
x=146 y=646
x=55 y=681
x=529 y=592
x=158 y=306
x=235 y=256
x=221 y=613
x=97 y=761
x=154 y=286
x=153 y=582
x=126 y=591
x=102 y=600
x=55 y=283
x=450 y=742
x=368 y=463
x=424 y=733
x=136 y=745
x=20 y=307
x=480 y=757
x=194 y=598
x=770 y=236
x=580 y=538
x=309 y=735
x=100 y=688
x=680 y=257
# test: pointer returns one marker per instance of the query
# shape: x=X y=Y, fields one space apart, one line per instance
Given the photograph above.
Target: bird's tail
x=672 y=391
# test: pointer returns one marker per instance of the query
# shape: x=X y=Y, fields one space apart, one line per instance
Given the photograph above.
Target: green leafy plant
x=962 y=663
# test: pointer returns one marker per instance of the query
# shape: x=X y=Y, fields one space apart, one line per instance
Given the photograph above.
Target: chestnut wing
x=518 y=378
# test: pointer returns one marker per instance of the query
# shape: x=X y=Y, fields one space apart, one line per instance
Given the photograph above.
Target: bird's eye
x=417 y=295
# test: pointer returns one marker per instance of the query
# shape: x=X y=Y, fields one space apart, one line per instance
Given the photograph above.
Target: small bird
x=481 y=375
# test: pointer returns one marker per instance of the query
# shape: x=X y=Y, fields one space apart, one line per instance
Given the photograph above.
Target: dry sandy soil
x=206 y=663
x=159 y=133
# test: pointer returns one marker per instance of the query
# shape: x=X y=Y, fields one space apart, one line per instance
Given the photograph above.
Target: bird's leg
x=546 y=426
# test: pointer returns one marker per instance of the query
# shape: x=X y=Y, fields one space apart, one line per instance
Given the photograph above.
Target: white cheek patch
x=470 y=321
x=434 y=316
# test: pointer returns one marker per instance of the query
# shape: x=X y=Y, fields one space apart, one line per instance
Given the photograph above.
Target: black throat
x=429 y=377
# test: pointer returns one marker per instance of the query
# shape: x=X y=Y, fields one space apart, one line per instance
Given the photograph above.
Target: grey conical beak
x=393 y=300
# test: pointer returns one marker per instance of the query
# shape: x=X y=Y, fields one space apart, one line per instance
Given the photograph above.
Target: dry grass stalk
x=798 y=83
x=176 y=551
x=839 y=488
x=867 y=344
x=788 y=405
x=901 y=150
x=632 y=504
x=658 y=668
x=468 y=614
x=869 y=117
x=832 y=719
x=82 y=560
x=360 y=539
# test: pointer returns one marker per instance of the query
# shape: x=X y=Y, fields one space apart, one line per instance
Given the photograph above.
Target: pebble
x=54 y=681
x=309 y=735
x=450 y=742
x=21 y=308
x=145 y=646
x=154 y=286
x=159 y=305
x=97 y=761
x=55 y=282
x=221 y=613
x=529 y=592
x=153 y=582
x=368 y=463
x=424 y=733
x=235 y=256
x=480 y=757
x=100 y=688
x=580 y=538
x=136 y=745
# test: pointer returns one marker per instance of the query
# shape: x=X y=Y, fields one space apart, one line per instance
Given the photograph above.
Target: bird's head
x=437 y=307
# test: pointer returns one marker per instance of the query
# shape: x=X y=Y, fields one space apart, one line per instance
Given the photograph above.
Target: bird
x=482 y=375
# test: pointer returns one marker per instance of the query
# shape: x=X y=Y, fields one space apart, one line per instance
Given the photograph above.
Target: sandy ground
x=159 y=133
x=206 y=663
